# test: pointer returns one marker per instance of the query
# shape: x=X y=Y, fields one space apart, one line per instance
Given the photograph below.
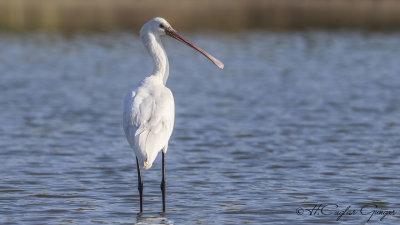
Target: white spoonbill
x=149 y=107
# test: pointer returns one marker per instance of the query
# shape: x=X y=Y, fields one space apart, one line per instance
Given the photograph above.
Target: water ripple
x=294 y=120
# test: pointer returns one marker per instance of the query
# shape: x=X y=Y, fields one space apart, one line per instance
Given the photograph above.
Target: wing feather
x=148 y=121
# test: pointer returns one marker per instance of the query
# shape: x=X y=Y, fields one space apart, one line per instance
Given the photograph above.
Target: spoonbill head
x=159 y=26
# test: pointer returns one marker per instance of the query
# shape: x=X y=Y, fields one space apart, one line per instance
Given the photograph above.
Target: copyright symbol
x=300 y=211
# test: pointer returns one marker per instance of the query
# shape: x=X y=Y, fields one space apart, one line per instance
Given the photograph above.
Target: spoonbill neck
x=152 y=42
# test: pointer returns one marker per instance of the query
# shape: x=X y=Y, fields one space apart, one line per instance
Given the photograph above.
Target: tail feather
x=147 y=165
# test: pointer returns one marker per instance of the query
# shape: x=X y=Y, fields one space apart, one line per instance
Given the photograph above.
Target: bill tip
x=219 y=64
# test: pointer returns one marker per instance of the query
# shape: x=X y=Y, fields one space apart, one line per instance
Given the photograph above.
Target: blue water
x=296 y=121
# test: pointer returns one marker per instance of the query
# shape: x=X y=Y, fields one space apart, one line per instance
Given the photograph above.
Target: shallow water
x=296 y=119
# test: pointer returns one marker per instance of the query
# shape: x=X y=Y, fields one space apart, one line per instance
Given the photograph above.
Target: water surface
x=296 y=119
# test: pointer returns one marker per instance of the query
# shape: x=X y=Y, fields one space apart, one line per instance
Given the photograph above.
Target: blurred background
x=305 y=112
x=105 y=15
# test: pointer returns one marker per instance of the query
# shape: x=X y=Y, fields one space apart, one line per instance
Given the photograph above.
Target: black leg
x=140 y=185
x=163 y=182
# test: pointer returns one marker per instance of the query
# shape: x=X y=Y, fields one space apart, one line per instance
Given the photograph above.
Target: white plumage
x=149 y=108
